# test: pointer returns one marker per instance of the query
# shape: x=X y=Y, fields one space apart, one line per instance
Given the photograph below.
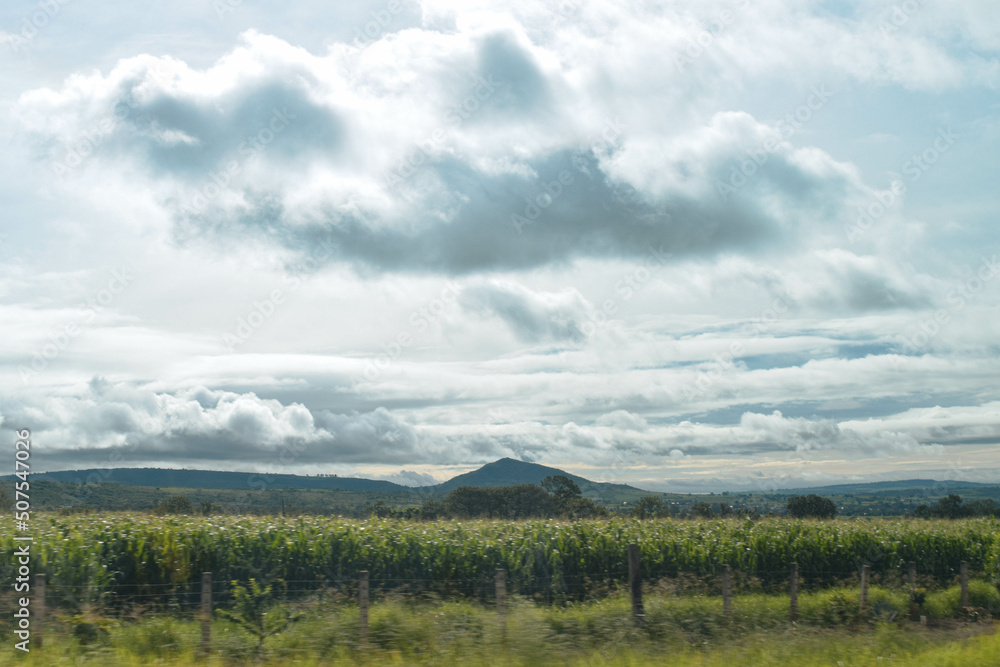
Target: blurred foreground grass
x=678 y=630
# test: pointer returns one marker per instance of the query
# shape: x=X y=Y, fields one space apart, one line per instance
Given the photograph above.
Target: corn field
x=122 y=559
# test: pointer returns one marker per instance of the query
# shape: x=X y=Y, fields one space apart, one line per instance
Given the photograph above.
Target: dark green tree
x=470 y=501
x=502 y=502
x=522 y=501
x=562 y=487
x=433 y=509
x=650 y=507
x=380 y=509
x=570 y=502
x=581 y=508
x=984 y=507
x=811 y=506
x=949 y=507
x=702 y=511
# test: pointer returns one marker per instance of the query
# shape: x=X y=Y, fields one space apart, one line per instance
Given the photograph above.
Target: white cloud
x=444 y=152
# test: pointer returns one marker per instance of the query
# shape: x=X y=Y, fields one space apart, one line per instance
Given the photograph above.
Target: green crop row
x=121 y=558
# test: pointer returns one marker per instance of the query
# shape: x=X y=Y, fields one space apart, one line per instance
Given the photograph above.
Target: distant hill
x=895 y=488
x=213 y=479
x=507 y=472
x=49 y=495
x=246 y=492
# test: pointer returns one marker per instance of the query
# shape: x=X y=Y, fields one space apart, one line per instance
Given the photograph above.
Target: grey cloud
x=533 y=317
x=522 y=88
x=376 y=436
x=187 y=137
x=472 y=204
x=466 y=223
x=210 y=426
x=866 y=283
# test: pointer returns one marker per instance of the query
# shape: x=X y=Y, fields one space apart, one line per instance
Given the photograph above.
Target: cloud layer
x=688 y=246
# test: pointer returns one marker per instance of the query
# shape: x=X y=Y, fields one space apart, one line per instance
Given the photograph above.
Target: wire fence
x=729 y=596
x=726 y=582
x=545 y=588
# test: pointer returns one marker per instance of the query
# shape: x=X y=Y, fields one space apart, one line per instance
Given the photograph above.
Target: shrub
x=175 y=505
x=947 y=603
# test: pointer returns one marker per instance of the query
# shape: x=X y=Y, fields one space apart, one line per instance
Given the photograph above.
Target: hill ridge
x=502 y=472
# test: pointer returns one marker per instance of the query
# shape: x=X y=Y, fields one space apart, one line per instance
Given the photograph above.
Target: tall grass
x=678 y=630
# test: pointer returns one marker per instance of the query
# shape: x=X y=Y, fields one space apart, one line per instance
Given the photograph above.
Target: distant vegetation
x=650 y=507
x=504 y=489
x=556 y=496
x=559 y=497
x=952 y=507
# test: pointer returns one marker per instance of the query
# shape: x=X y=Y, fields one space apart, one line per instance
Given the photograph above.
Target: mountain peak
x=508 y=472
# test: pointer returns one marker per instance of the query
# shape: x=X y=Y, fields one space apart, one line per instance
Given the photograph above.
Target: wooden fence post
x=964 y=580
x=363 y=607
x=501 y=584
x=793 y=593
x=913 y=591
x=39 y=609
x=206 y=612
x=635 y=583
x=865 y=574
x=727 y=591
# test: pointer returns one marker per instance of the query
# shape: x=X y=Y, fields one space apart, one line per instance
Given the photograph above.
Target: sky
x=689 y=246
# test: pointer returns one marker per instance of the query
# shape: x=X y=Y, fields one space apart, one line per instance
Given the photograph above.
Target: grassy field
x=681 y=630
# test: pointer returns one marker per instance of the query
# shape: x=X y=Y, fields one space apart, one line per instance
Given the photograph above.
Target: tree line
x=560 y=497
x=556 y=496
x=952 y=507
